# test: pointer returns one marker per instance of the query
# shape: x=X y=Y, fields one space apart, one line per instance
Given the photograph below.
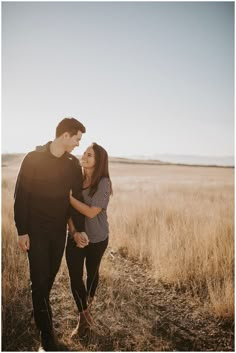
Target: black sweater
x=42 y=192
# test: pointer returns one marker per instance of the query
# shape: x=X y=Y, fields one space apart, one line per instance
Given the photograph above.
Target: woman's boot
x=85 y=323
x=90 y=301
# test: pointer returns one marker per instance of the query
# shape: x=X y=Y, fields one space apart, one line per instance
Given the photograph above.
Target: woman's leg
x=75 y=261
x=94 y=255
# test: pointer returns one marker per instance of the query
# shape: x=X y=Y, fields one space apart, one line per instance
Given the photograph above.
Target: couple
x=52 y=195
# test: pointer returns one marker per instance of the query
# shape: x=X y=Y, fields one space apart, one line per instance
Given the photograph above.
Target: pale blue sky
x=144 y=78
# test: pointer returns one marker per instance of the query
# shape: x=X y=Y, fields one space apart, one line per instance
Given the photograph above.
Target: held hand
x=24 y=242
x=85 y=236
x=80 y=240
x=70 y=193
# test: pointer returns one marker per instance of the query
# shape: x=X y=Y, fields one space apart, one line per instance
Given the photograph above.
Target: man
x=42 y=210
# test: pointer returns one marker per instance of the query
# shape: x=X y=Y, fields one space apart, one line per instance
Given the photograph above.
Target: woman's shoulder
x=104 y=183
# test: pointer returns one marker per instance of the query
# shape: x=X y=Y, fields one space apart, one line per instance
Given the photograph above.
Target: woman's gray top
x=97 y=228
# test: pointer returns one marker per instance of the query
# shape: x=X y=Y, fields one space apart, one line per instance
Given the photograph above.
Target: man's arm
x=22 y=199
x=80 y=239
x=77 y=218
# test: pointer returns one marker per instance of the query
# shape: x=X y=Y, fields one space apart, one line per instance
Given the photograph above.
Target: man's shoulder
x=29 y=160
x=37 y=153
x=43 y=148
x=30 y=156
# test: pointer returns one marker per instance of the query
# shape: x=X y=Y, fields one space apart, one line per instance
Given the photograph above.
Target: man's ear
x=66 y=135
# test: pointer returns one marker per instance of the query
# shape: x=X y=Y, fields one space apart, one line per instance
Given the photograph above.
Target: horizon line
x=149 y=155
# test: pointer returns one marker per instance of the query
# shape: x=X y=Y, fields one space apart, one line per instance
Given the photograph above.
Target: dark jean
x=45 y=255
x=75 y=257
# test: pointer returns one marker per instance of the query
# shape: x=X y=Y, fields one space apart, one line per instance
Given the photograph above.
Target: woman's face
x=88 y=158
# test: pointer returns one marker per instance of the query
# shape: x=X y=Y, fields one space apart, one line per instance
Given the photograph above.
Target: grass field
x=181 y=220
x=177 y=220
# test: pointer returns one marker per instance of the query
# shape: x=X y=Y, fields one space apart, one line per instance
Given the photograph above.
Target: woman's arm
x=86 y=210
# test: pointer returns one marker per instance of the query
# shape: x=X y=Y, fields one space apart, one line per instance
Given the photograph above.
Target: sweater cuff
x=22 y=232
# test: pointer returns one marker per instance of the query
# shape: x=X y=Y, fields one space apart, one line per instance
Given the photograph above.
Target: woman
x=97 y=189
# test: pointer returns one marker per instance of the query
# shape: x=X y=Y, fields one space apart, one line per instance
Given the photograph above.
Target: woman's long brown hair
x=101 y=168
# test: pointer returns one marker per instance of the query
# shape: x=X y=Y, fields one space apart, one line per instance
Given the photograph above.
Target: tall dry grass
x=14 y=264
x=182 y=224
x=178 y=219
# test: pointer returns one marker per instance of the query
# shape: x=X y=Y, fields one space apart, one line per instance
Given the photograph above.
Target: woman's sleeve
x=101 y=197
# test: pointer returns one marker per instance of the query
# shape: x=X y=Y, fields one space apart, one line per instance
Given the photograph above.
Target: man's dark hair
x=70 y=125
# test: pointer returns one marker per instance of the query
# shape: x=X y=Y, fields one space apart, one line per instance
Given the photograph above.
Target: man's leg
x=57 y=247
x=45 y=255
x=39 y=262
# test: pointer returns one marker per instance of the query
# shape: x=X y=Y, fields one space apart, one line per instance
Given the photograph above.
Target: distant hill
x=10 y=159
x=135 y=161
x=225 y=161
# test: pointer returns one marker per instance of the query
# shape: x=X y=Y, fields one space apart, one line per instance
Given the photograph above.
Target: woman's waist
x=98 y=233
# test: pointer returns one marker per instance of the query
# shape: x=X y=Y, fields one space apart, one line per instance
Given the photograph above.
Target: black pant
x=75 y=257
x=45 y=255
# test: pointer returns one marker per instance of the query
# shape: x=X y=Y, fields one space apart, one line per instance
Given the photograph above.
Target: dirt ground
x=132 y=313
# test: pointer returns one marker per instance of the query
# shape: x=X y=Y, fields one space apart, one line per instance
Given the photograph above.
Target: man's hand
x=24 y=242
x=81 y=241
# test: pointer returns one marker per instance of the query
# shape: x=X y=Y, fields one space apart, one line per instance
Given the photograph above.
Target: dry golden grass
x=178 y=220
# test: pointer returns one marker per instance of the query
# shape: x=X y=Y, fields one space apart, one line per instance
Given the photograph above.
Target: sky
x=145 y=78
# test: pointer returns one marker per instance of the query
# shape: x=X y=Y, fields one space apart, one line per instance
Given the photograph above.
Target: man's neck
x=56 y=148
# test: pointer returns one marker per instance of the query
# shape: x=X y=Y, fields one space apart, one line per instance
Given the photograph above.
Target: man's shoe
x=48 y=343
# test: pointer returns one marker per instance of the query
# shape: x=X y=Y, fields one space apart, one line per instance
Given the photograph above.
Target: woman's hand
x=81 y=240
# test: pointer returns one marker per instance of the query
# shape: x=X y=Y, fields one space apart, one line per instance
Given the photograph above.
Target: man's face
x=72 y=141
